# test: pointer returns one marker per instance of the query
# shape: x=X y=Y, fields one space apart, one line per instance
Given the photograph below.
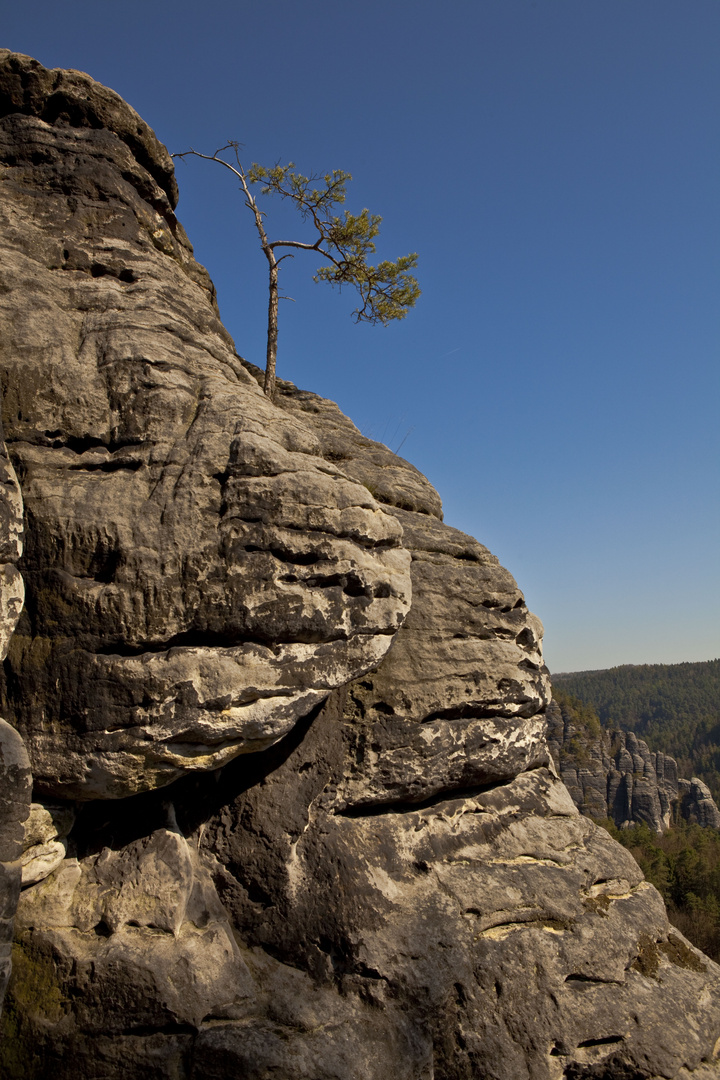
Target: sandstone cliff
x=613 y=774
x=286 y=727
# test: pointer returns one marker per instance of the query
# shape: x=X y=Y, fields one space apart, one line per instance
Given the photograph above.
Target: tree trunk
x=272 y=333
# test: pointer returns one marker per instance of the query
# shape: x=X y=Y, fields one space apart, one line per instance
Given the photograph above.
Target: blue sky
x=555 y=164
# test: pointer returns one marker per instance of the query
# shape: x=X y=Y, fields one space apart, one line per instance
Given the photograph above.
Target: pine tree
x=387 y=291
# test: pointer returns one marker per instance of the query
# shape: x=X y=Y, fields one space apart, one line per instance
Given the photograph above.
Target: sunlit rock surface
x=198 y=575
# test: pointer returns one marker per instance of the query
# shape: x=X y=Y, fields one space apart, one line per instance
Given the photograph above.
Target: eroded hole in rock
x=469 y=711
x=405 y=806
x=366 y=972
x=350 y=584
x=526 y=639
x=579 y=977
x=194 y=639
x=194 y=798
x=80 y=444
x=148 y=1030
x=111 y=465
x=294 y=558
x=105 y=565
x=339 y=955
x=608 y=1040
x=384 y=708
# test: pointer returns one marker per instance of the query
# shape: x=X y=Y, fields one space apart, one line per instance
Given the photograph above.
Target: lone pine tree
x=387 y=291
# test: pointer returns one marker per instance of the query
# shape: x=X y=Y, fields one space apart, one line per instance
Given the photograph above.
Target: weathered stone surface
x=139 y=940
x=697 y=804
x=497 y=935
x=15 y=778
x=614 y=775
x=44 y=845
x=457 y=700
x=15 y=791
x=71 y=97
x=198 y=575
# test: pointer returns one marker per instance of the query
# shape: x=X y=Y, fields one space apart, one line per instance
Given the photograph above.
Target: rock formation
x=697 y=803
x=286 y=726
x=15 y=776
x=209 y=576
x=613 y=774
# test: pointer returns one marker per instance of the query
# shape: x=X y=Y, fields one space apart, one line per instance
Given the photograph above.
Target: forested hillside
x=674 y=707
x=684 y=861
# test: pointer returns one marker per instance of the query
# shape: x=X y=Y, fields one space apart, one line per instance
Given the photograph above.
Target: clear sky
x=555 y=164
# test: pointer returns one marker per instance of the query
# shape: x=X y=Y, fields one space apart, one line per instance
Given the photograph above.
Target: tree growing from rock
x=387 y=291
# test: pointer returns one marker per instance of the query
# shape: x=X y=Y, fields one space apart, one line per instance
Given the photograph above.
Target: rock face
x=198 y=574
x=613 y=774
x=307 y=830
x=15 y=787
x=15 y=776
x=697 y=804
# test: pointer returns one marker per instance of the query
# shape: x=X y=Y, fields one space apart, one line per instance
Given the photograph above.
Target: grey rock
x=240 y=575
x=40 y=861
x=499 y=934
x=47 y=821
x=15 y=777
x=62 y=98
x=138 y=937
x=697 y=803
x=457 y=700
x=15 y=793
x=625 y=781
x=44 y=846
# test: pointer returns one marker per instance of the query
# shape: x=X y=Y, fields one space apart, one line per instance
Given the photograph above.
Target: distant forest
x=674 y=707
